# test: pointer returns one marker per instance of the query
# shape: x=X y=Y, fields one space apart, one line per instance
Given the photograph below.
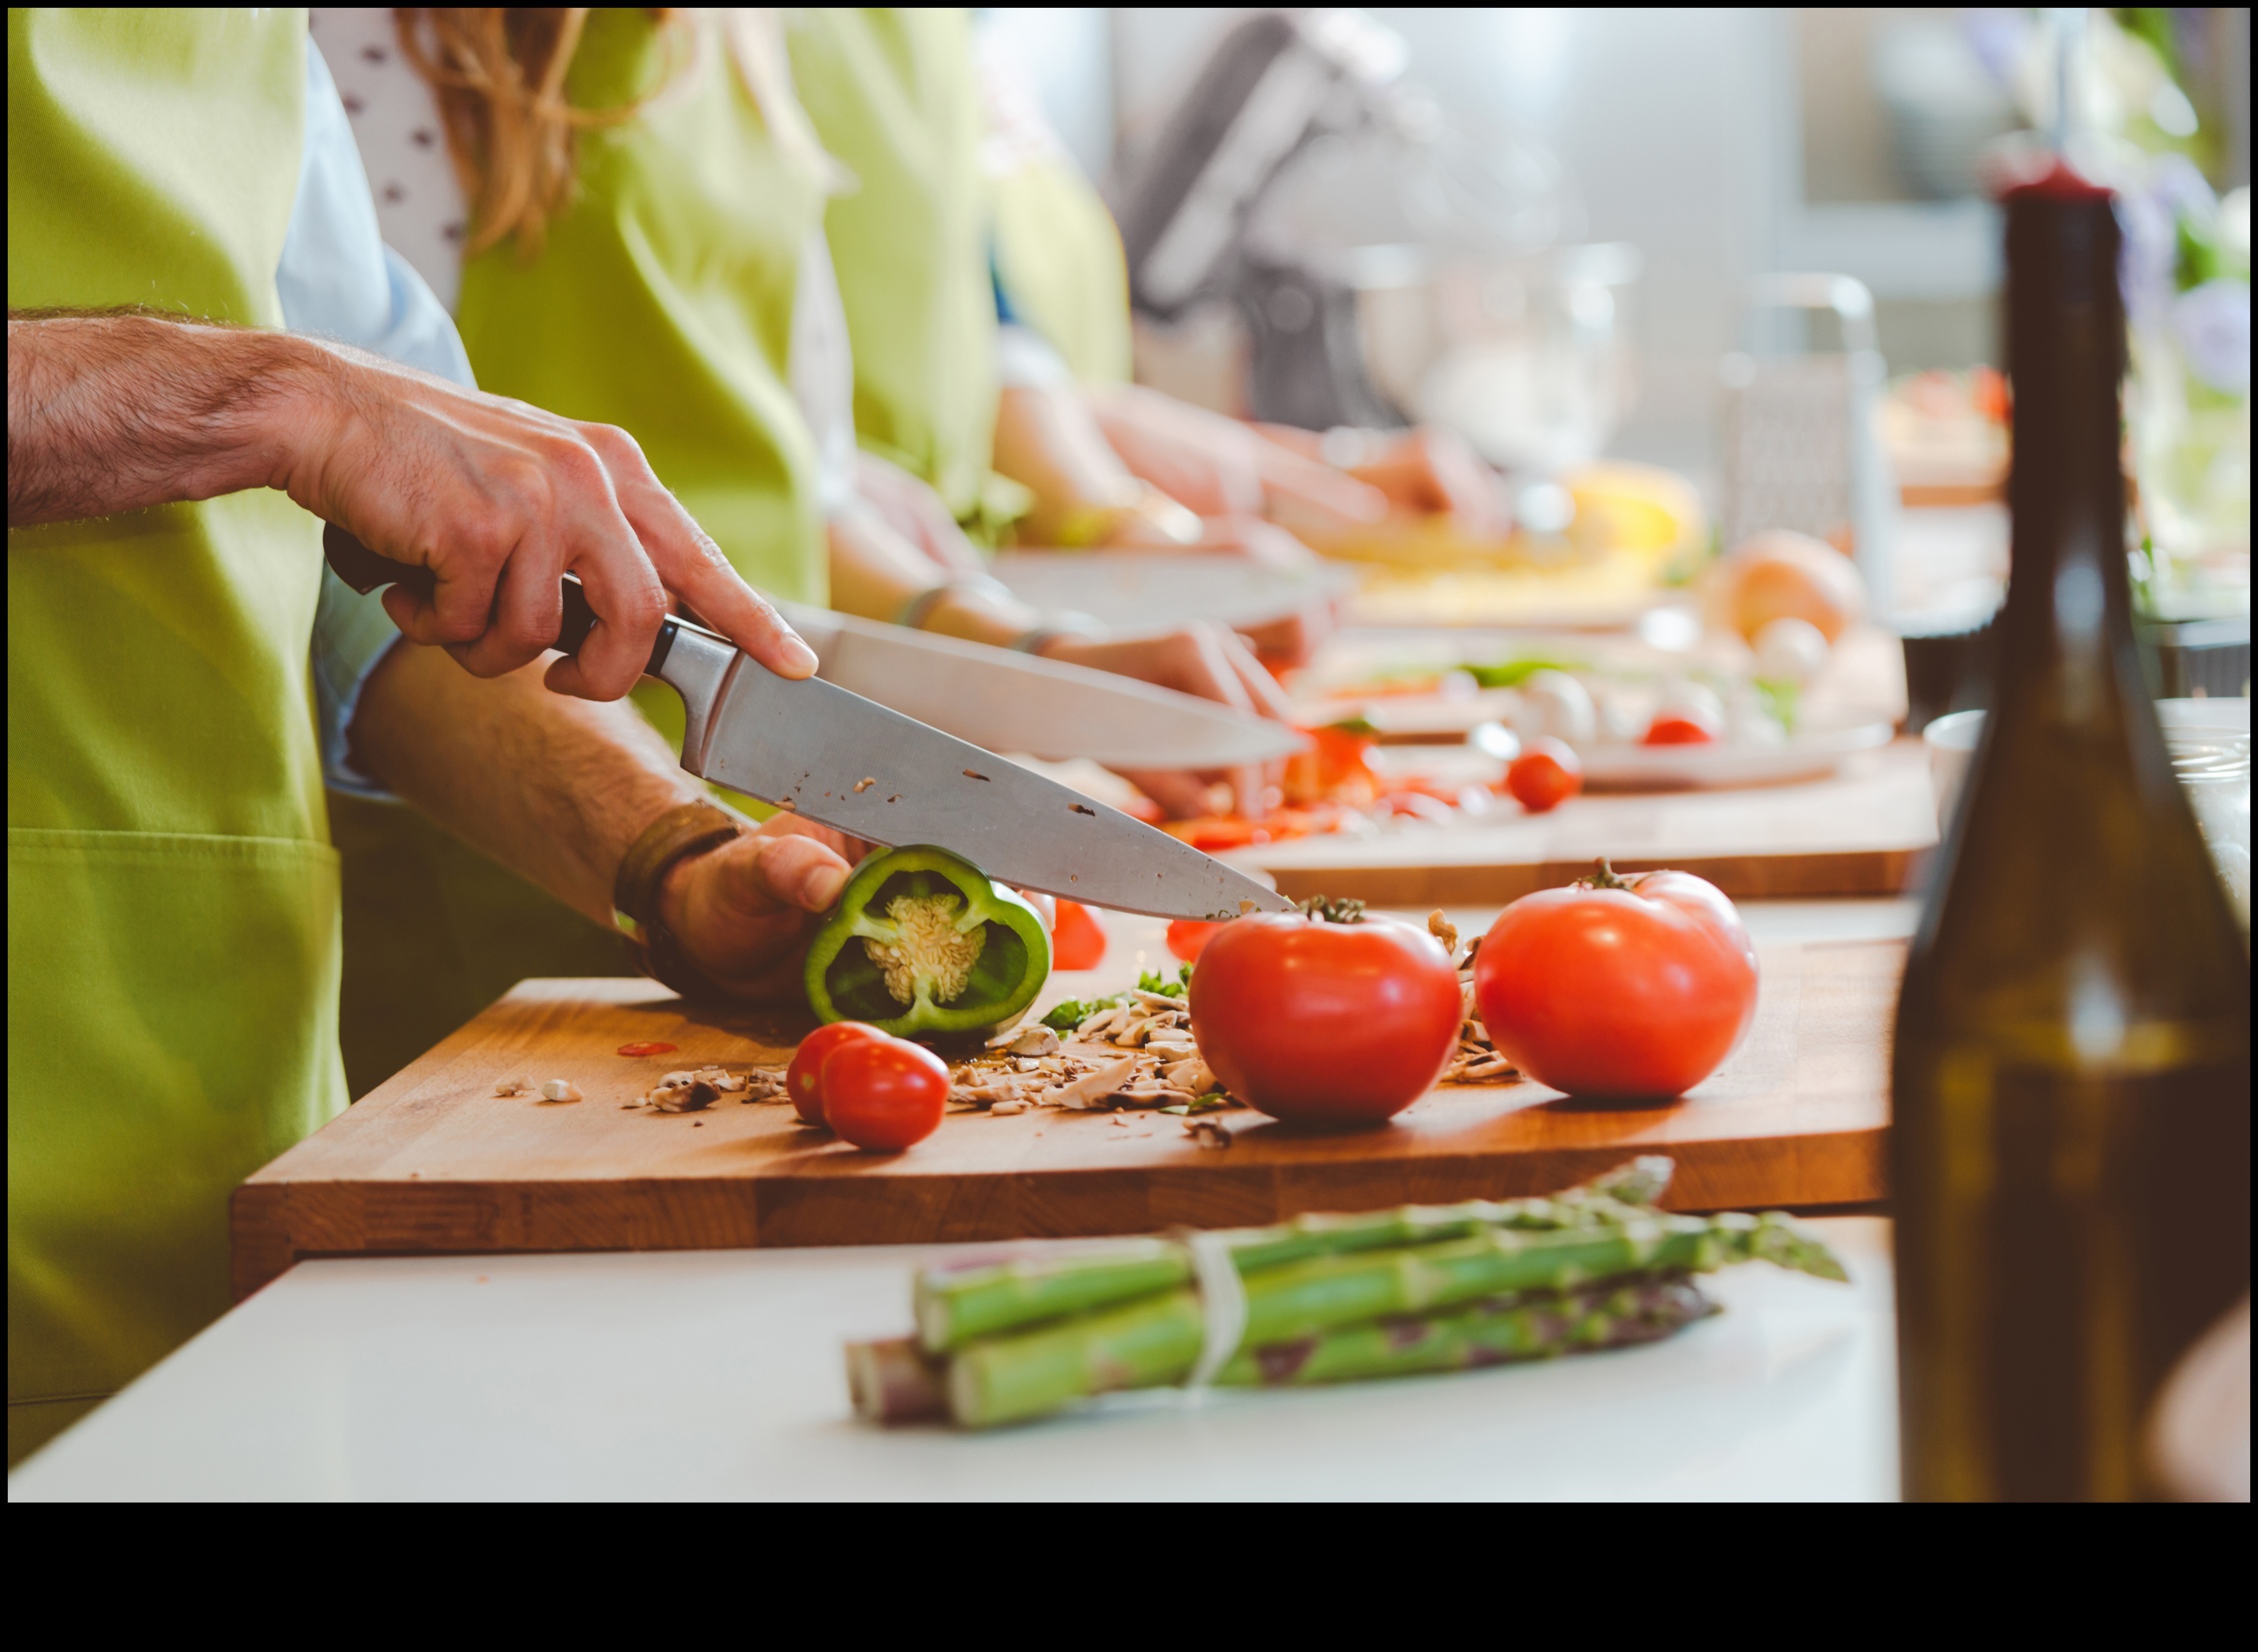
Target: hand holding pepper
x=744 y=912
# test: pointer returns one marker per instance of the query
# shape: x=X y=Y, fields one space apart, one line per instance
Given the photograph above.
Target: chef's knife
x=839 y=759
x=1016 y=702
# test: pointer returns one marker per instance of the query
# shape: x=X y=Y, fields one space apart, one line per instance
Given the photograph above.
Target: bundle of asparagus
x=1327 y=1299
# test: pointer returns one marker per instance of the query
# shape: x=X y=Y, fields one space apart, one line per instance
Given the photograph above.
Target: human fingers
x=692 y=566
x=1269 y=701
x=849 y=849
x=1181 y=794
x=1311 y=483
x=1213 y=474
x=1432 y=469
x=742 y=911
x=1262 y=542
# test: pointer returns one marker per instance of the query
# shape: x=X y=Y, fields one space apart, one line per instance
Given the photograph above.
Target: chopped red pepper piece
x=1077 y=940
x=651 y=1048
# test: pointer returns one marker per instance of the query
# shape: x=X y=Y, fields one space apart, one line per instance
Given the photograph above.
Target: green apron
x=172 y=896
x=892 y=95
x=1059 y=257
x=662 y=299
x=662 y=303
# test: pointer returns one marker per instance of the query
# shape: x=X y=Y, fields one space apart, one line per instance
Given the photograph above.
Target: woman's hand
x=908 y=505
x=1202 y=659
x=1424 y=471
x=1222 y=467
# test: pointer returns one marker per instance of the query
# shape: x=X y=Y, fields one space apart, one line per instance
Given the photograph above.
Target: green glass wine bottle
x=2070 y=1151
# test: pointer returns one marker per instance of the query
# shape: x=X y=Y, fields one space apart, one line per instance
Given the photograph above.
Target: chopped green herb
x=1067 y=1016
x=1175 y=987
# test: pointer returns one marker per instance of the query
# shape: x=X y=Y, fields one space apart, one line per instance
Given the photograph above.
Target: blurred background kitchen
x=1563 y=233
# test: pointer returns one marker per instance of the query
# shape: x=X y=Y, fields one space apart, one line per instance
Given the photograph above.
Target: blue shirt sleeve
x=338 y=280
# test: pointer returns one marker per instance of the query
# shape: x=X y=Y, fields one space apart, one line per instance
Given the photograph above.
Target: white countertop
x=717 y=1374
x=714 y=1374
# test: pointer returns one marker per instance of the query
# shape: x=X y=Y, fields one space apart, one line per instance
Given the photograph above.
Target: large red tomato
x=1618 y=986
x=1325 y=1023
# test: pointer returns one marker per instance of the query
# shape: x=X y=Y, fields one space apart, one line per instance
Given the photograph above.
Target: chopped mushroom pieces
x=1091 y=1091
x=1443 y=930
x=689 y=1097
x=514 y=1086
x=1476 y=1061
x=557 y=1089
x=1036 y=1040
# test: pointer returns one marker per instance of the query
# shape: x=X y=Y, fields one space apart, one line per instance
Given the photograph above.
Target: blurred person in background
x=987 y=298
x=640 y=201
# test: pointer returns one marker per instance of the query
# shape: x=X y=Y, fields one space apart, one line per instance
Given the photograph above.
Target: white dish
x=1800 y=757
x=1145 y=589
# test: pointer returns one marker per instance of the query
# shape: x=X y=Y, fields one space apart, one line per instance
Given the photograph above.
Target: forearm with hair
x=554 y=788
x=119 y=410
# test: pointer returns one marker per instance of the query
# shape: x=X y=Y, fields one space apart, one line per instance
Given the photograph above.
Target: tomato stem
x=1330 y=909
x=1604 y=878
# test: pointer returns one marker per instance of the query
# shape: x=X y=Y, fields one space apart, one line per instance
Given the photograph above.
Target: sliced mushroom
x=1194 y=1075
x=1089 y=1091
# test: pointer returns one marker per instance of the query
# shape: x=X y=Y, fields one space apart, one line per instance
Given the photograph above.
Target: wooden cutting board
x=1863 y=830
x=434 y=1162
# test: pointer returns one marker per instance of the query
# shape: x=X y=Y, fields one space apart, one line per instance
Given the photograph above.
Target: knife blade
x=1018 y=702
x=845 y=761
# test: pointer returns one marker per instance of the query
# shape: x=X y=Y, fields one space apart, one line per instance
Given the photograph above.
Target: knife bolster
x=698 y=667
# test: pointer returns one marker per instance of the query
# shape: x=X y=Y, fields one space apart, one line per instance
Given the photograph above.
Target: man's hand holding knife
x=492 y=503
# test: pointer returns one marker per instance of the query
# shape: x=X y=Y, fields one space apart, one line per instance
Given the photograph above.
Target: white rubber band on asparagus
x=1223 y=1304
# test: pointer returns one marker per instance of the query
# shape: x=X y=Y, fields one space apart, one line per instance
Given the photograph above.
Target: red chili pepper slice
x=651 y=1048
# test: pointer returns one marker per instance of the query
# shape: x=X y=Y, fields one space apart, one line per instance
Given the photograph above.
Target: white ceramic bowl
x=1952 y=740
x=2210 y=741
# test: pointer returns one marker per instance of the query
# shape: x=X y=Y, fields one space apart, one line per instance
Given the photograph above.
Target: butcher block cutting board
x=434 y=1162
x=1864 y=831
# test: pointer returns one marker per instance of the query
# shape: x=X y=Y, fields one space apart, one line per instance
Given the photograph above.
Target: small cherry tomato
x=1682 y=725
x=801 y=1078
x=884 y=1094
x=1077 y=939
x=1187 y=938
x=1618 y=986
x=1547 y=774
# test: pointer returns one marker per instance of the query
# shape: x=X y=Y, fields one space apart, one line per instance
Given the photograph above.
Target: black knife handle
x=364 y=570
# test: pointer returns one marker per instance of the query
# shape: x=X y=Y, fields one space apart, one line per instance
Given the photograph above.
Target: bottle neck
x=2066 y=633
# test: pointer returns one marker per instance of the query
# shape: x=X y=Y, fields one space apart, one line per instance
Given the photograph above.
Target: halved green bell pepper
x=922 y=942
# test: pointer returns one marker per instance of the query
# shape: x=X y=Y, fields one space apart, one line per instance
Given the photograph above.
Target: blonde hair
x=498 y=73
